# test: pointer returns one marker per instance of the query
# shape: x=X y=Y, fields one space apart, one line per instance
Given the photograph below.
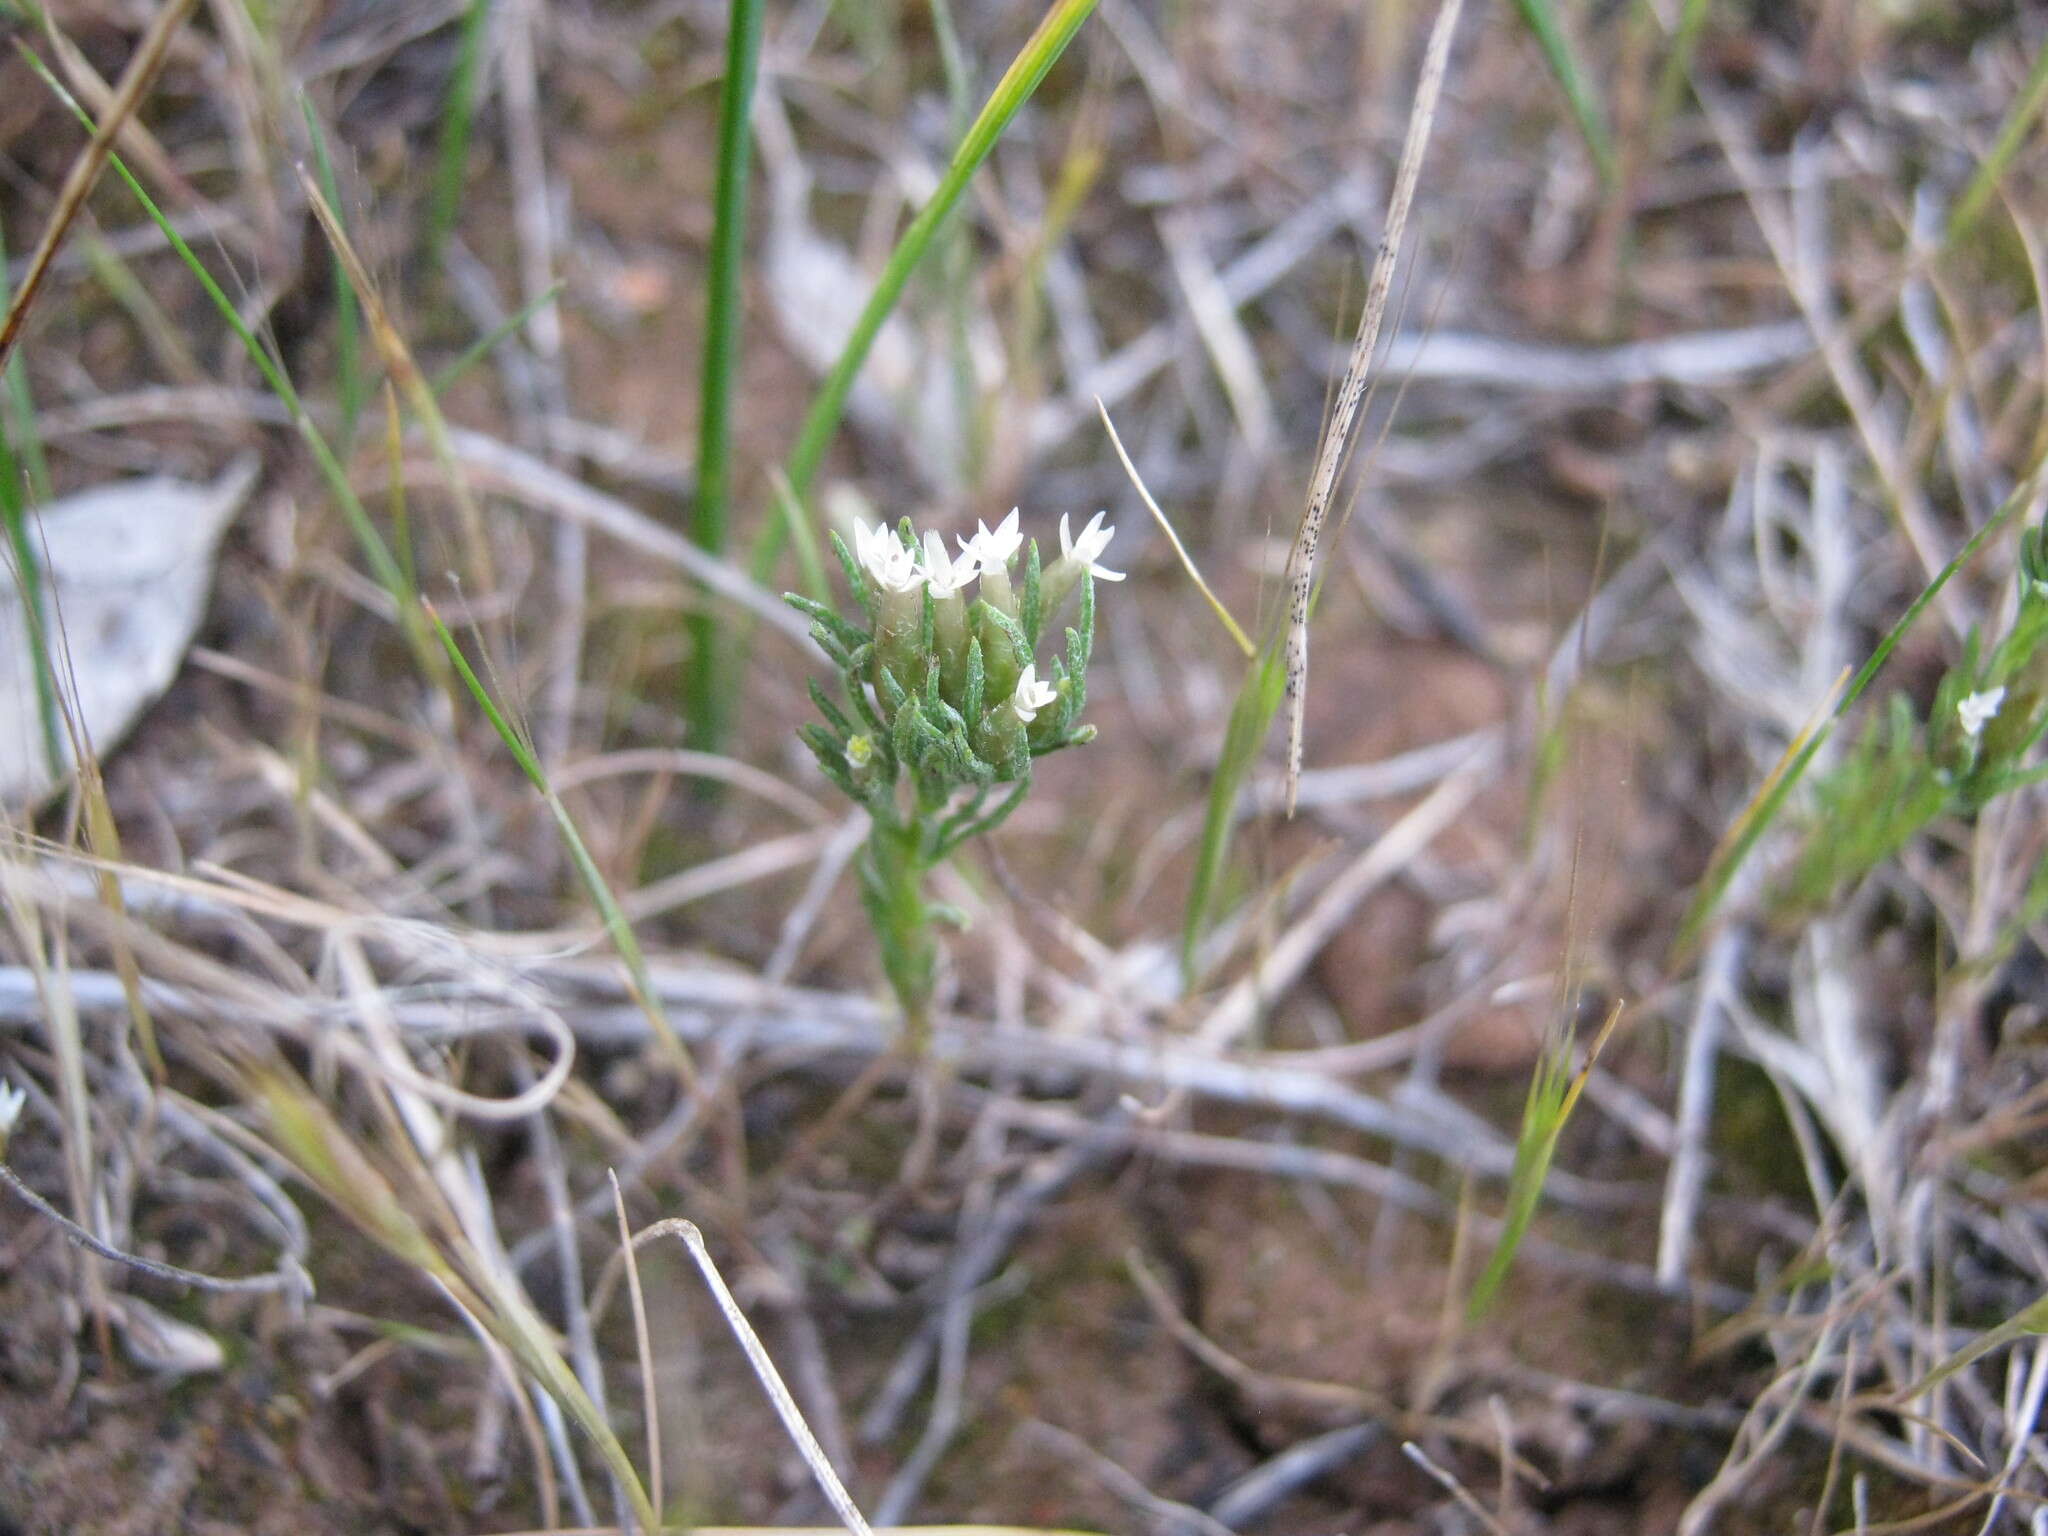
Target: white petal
x=994 y=548
x=1086 y=549
x=1977 y=711
x=1031 y=695
x=946 y=576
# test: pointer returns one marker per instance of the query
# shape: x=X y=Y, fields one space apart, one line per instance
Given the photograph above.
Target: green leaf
x=1541 y=17
x=1251 y=719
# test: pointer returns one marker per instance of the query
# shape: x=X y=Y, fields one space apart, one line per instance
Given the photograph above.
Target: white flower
x=993 y=549
x=11 y=1100
x=948 y=576
x=1084 y=550
x=1032 y=695
x=883 y=556
x=1976 y=711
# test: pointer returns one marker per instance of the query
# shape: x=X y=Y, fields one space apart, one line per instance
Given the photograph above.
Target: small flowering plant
x=946 y=706
x=1977 y=742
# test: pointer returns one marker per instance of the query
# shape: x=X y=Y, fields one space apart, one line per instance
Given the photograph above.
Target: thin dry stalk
x=150 y=56
x=650 y=1397
x=1330 y=458
x=398 y=361
x=764 y=1369
x=1237 y=634
x=1457 y=1490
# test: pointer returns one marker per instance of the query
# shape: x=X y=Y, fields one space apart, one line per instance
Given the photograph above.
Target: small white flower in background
x=1977 y=710
x=883 y=556
x=1032 y=695
x=1086 y=549
x=992 y=549
x=948 y=576
x=11 y=1100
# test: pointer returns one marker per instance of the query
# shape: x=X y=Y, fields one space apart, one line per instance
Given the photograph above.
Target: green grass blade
x=1251 y=721
x=1036 y=57
x=27 y=571
x=487 y=343
x=18 y=413
x=1535 y=1146
x=1553 y=1094
x=1685 y=40
x=1764 y=810
x=451 y=156
x=956 y=261
x=616 y=927
x=1540 y=16
x=2012 y=137
x=709 y=693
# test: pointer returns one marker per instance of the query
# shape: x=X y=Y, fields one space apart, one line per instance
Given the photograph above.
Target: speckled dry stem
x=1330 y=458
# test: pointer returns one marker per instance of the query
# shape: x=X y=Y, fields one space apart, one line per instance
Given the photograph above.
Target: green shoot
x=1541 y=17
x=709 y=690
x=451 y=157
x=1554 y=1091
x=2012 y=137
x=1251 y=721
x=616 y=927
x=1037 y=56
x=24 y=478
x=1763 y=811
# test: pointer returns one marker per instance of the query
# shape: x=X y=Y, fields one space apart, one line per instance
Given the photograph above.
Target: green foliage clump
x=1905 y=773
x=944 y=705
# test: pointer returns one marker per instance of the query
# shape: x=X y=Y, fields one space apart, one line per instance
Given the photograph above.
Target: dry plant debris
x=380 y=951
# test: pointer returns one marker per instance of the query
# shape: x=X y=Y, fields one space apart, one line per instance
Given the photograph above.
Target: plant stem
x=898 y=861
x=708 y=694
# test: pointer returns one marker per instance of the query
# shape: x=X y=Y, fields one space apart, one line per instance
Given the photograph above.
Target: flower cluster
x=945 y=700
x=946 y=692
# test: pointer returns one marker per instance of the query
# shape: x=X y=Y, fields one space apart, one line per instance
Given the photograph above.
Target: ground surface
x=1622 y=533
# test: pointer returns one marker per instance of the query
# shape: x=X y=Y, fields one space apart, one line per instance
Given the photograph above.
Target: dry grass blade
x=1237 y=634
x=398 y=362
x=1331 y=456
x=287 y=1277
x=1450 y=1484
x=142 y=70
x=771 y=1379
x=650 y=1394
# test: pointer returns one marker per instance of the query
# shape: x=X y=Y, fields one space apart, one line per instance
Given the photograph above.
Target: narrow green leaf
x=451 y=157
x=709 y=689
x=1763 y=811
x=1037 y=56
x=1251 y=719
x=1541 y=18
x=2012 y=137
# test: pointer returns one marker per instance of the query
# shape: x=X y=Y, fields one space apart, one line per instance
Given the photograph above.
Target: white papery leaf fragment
x=125 y=572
